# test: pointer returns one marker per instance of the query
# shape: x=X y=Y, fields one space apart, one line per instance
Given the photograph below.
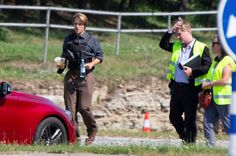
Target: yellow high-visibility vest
x=221 y=94
x=198 y=49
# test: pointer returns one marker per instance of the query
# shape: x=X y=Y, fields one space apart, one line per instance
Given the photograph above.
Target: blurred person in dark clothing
x=82 y=52
x=185 y=82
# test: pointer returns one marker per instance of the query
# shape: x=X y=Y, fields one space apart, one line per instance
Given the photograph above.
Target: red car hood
x=32 y=98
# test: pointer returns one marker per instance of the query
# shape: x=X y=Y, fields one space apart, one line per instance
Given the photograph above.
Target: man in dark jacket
x=82 y=52
x=185 y=82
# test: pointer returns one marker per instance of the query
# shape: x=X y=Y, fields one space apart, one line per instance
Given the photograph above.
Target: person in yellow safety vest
x=219 y=80
x=184 y=80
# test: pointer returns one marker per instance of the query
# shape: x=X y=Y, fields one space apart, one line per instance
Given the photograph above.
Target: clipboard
x=194 y=61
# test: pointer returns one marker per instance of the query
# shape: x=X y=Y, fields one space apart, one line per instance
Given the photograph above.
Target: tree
x=183 y=5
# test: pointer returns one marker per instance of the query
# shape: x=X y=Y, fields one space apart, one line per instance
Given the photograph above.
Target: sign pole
x=232 y=132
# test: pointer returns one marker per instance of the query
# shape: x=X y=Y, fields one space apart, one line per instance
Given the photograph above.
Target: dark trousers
x=78 y=98
x=184 y=100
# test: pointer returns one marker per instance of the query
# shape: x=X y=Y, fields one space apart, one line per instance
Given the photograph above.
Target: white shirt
x=185 y=52
x=180 y=76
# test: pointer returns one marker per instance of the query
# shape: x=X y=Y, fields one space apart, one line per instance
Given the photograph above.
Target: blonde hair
x=80 y=18
x=186 y=27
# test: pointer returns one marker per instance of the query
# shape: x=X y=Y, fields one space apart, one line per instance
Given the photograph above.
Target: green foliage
x=36 y=16
x=3 y=34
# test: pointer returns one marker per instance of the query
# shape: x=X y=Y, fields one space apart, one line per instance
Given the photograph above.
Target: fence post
x=169 y=21
x=118 y=35
x=46 y=35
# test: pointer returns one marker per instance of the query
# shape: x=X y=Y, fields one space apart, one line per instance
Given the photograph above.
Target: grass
x=144 y=150
x=190 y=150
x=139 y=55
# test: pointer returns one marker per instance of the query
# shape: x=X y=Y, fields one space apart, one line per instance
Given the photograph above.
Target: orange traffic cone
x=146 y=124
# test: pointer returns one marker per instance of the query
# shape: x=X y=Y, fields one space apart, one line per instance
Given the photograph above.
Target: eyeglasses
x=213 y=43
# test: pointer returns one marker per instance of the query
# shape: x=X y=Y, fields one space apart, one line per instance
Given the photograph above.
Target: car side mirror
x=5 y=88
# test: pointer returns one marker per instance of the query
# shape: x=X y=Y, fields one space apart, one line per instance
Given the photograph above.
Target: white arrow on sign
x=231 y=31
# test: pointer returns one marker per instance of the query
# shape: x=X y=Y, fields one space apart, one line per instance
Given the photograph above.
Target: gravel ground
x=124 y=141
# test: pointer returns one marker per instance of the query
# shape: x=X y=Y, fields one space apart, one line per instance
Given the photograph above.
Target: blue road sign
x=227 y=25
x=227 y=31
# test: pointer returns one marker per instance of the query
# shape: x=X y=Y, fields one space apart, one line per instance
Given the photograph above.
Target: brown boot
x=90 y=138
x=89 y=141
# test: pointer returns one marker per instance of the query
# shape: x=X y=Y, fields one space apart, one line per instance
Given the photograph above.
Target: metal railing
x=118 y=30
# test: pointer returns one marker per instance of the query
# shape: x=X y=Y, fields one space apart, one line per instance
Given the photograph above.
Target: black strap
x=82 y=52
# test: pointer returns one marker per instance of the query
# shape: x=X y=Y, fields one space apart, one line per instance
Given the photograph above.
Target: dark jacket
x=91 y=50
x=206 y=58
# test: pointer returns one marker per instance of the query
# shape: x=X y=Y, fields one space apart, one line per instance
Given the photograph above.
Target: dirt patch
x=23 y=65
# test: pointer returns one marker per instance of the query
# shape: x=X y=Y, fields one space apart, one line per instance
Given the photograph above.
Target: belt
x=78 y=70
x=181 y=83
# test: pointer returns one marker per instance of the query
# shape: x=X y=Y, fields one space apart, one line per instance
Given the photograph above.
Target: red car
x=29 y=119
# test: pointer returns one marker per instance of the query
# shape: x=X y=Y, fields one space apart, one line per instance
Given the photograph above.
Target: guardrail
x=118 y=30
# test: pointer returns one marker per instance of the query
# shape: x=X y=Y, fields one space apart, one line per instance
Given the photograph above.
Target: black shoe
x=183 y=138
x=188 y=142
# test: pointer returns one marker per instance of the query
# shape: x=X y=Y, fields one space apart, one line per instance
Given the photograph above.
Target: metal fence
x=118 y=30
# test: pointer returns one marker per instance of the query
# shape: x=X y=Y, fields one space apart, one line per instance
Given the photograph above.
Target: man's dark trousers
x=184 y=101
